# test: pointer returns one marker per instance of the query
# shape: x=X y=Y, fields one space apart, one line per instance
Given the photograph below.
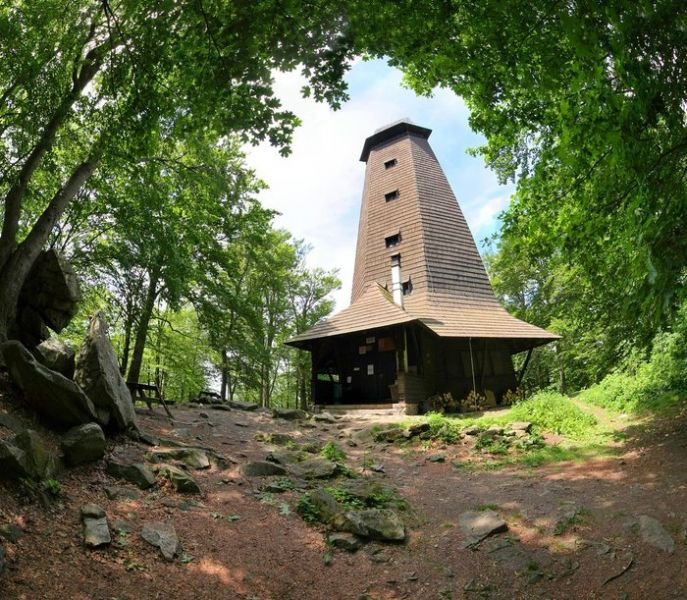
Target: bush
x=553 y=412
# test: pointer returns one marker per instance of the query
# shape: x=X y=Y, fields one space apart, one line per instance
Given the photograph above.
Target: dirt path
x=572 y=526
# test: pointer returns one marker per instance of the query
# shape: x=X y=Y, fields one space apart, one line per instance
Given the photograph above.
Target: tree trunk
x=142 y=329
x=225 y=376
x=20 y=261
x=15 y=195
x=128 y=326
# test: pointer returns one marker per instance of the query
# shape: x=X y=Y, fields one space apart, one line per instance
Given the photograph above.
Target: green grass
x=332 y=452
x=553 y=412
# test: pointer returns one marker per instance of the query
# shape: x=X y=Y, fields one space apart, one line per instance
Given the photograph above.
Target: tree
x=85 y=83
x=583 y=103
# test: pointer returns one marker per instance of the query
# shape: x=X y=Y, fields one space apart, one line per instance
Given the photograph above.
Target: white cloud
x=317 y=189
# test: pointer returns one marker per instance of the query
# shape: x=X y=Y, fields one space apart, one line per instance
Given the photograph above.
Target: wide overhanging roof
x=446 y=317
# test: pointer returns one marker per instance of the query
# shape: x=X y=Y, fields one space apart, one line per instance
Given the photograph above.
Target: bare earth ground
x=240 y=546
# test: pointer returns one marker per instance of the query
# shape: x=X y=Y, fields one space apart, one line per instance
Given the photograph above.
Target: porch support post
x=521 y=374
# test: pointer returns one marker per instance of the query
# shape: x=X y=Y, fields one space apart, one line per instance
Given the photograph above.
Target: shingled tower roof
x=409 y=214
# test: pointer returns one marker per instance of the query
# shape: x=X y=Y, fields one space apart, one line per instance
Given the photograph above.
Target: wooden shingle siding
x=451 y=295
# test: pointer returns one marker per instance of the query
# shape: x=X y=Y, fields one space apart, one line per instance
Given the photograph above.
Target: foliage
x=588 y=115
x=640 y=386
x=554 y=412
x=333 y=452
x=443 y=428
x=307 y=509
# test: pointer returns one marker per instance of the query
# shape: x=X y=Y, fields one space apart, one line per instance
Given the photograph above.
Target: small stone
x=191 y=457
x=116 y=492
x=481 y=524
x=163 y=536
x=418 y=428
x=345 y=541
x=262 y=468
x=324 y=417
x=654 y=534
x=472 y=430
x=136 y=473
x=315 y=468
x=96 y=532
x=521 y=426
x=437 y=458
x=249 y=406
x=180 y=479
x=289 y=414
x=92 y=511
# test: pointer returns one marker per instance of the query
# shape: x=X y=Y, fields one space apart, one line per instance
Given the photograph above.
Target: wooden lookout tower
x=423 y=318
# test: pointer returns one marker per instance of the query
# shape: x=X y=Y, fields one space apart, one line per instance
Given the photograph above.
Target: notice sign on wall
x=370 y=369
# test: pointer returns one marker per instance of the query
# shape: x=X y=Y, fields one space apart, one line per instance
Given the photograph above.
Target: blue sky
x=318 y=188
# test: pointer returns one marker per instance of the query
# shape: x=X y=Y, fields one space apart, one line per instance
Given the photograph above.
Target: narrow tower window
x=390 y=163
x=392 y=240
x=391 y=195
x=407 y=287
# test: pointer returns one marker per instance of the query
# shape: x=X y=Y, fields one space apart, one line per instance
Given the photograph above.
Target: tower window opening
x=389 y=196
x=392 y=240
x=390 y=163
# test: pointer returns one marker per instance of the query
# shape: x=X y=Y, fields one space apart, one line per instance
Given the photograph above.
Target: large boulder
x=83 y=444
x=13 y=462
x=52 y=289
x=57 y=356
x=41 y=463
x=26 y=457
x=97 y=372
x=136 y=473
x=50 y=394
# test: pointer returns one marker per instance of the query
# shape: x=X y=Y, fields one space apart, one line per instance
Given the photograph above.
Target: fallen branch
x=624 y=570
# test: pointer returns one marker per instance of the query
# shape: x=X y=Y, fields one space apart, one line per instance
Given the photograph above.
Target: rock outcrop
x=50 y=394
x=49 y=297
x=97 y=372
x=57 y=356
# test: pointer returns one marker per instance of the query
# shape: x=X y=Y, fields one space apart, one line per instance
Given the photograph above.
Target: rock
x=52 y=290
x=96 y=533
x=11 y=533
x=324 y=417
x=50 y=394
x=380 y=524
x=284 y=457
x=345 y=541
x=654 y=534
x=191 y=457
x=437 y=458
x=136 y=473
x=289 y=414
x=180 y=479
x=327 y=506
x=92 y=511
x=242 y=405
x=481 y=524
x=223 y=407
x=163 y=536
x=388 y=435
x=315 y=468
x=493 y=430
x=13 y=462
x=40 y=463
x=9 y=422
x=29 y=328
x=97 y=372
x=262 y=468
x=119 y=492
x=520 y=426
x=83 y=444
x=472 y=430
x=418 y=429
x=57 y=356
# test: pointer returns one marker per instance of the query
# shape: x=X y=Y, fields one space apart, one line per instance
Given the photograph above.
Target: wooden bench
x=147 y=393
